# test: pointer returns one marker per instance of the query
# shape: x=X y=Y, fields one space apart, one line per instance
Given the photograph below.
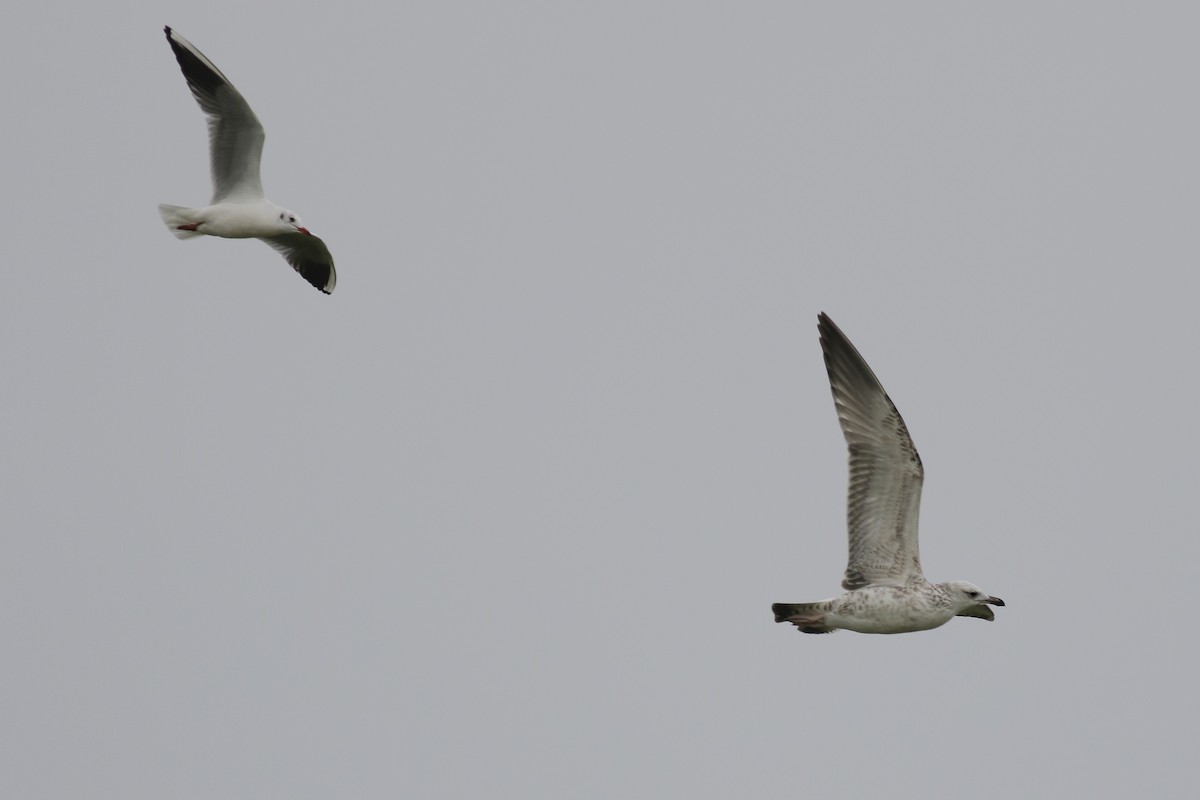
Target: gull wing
x=885 y=470
x=235 y=136
x=309 y=256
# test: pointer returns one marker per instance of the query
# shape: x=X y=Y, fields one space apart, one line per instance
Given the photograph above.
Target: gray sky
x=504 y=515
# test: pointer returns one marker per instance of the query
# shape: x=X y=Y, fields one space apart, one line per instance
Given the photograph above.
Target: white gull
x=239 y=209
x=886 y=591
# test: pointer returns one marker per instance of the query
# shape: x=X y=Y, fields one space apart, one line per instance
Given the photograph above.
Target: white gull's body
x=887 y=593
x=239 y=209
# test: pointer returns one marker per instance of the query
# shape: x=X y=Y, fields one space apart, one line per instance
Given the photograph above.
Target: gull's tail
x=177 y=219
x=808 y=617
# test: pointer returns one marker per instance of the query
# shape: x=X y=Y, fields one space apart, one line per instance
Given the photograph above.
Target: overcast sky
x=504 y=516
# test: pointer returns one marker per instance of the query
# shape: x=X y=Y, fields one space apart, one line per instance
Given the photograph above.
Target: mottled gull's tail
x=808 y=617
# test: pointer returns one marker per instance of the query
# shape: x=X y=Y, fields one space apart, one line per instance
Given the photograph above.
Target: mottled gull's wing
x=235 y=136
x=885 y=470
x=309 y=256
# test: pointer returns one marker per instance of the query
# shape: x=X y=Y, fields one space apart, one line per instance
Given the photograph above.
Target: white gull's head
x=289 y=222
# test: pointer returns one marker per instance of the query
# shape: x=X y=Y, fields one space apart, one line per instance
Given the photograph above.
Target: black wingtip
x=837 y=347
x=826 y=326
x=319 y=275
x=829 y=334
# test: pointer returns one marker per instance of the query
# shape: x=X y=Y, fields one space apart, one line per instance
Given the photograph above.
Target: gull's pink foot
x=191 y=226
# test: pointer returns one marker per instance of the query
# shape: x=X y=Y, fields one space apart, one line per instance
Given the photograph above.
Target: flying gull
x=239 y=209
x=886 y=592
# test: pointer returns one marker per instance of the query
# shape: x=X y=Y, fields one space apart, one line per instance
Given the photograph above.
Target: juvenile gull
x=239 y=209
x=886 y=591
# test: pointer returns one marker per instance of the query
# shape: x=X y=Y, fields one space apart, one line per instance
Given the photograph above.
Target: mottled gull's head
x=969 y=600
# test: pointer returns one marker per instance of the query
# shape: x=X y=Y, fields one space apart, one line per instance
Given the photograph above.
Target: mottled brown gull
x=886 y=592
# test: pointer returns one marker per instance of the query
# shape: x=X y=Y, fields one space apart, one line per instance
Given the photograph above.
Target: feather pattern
x=886 y=473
